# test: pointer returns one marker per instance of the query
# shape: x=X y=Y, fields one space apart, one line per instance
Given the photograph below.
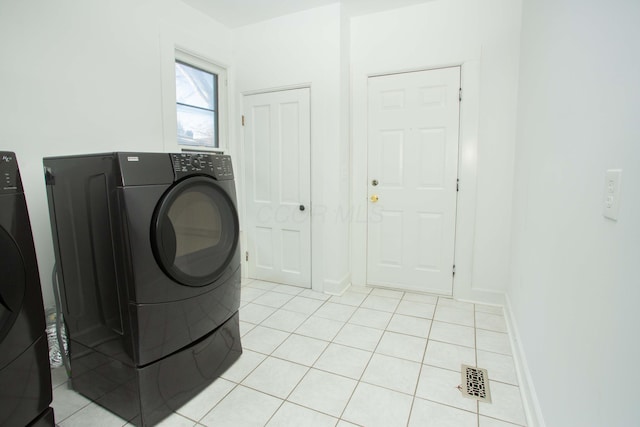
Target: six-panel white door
x=413 y=126
x=278 y=182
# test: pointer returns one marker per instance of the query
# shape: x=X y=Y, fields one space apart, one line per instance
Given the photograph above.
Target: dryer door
x=195 y=231
x=12 y=285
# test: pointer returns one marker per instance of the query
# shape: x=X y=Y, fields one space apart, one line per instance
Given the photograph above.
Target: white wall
x=81 y=77
x=482 y=37
x=305 y=49
x=574 y=287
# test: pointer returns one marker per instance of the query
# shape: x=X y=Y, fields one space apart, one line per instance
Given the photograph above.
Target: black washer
x=25 y=375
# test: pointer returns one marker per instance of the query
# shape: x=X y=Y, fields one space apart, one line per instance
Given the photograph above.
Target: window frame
x=220 y=72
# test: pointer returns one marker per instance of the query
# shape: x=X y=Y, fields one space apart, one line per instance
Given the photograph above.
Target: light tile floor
x=371 y=357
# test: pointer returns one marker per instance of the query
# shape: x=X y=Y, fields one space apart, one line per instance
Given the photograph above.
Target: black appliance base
x=45 y=419
x=25 y=385
x=146 y=395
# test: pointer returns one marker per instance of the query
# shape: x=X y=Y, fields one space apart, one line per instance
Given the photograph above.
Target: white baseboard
x=530 y=402
x=478 y=296
x=337 y=287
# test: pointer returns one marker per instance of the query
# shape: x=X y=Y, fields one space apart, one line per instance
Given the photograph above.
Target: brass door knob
x=374 y=198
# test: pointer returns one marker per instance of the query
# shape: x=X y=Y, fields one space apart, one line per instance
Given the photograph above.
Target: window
x=196 y=106
x=183 y=56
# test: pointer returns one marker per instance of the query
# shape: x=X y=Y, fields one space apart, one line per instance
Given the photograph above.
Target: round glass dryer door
x=195 y=231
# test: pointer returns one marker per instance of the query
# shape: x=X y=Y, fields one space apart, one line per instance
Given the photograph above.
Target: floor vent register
x=475 y=384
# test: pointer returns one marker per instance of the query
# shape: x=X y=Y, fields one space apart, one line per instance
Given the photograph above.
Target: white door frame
x=427 y=196
x=467 y=173
x=241 y=187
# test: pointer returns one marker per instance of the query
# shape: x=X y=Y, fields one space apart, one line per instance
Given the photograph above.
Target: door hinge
x=458 y=184
x=460 y=94
x=454 y=269
x=246 y=256
x=243 y=120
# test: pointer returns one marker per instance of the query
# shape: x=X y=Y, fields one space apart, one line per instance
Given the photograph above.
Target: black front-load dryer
x=25 y=376
x=147 y=248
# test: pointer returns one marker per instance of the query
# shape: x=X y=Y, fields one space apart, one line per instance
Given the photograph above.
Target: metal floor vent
x=475 y=384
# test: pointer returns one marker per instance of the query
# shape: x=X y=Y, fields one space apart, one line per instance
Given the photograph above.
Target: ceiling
x=236 y=13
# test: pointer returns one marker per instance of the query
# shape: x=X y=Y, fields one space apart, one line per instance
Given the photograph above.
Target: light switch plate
x=611 y=199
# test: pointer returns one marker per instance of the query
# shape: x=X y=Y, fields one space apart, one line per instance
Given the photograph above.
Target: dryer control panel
x=216 y=165
x=9 y=175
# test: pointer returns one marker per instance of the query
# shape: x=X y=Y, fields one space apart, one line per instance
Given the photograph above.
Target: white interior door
x=413 y=122
x=278 y=186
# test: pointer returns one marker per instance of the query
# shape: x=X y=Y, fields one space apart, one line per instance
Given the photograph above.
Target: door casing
x=412 y=115
x=467 y=171
x=304 y=166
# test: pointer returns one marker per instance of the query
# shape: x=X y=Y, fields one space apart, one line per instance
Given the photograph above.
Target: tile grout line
x=357 y=348
x=265 y=359
x=359 y=380
x=70 y=388
x=310 y=367
x=348 y=319
x=426 y=345
x=221 y=400
x=286 y=399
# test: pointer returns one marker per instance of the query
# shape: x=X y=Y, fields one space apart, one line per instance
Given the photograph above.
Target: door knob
x=301 y=207
x=374 y=198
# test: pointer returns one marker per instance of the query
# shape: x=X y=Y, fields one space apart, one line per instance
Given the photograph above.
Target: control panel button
x=216 y=165
x=8 y=172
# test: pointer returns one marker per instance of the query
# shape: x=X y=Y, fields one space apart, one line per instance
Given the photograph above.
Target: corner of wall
x=532 y=410
x=481 y=296
x=337 y=287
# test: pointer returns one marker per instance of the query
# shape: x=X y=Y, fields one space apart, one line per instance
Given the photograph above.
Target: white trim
x=337 y=287
x=414 y=70
x=177 y=44
x=276 y=89
x=530 y=402
x=199 y=61
x=315 y=221
x=467 y=173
